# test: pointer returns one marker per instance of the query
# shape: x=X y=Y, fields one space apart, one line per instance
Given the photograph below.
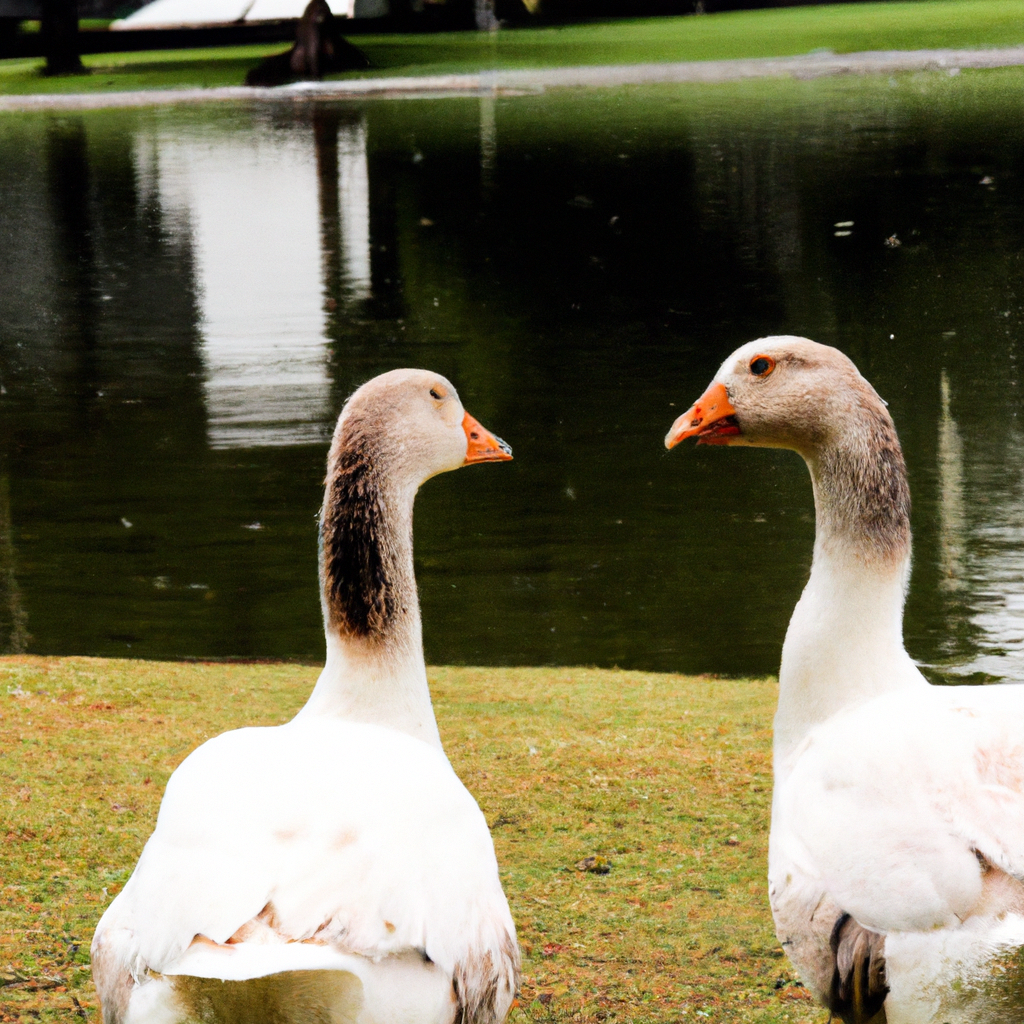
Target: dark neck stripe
x=357 y=551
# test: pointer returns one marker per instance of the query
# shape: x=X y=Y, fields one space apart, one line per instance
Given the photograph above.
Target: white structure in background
x=249 y=202
x=200 y=13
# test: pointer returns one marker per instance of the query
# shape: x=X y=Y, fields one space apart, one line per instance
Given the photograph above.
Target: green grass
x=156 y=69
x=666 y=776
x=86 y=24
x=908 y=25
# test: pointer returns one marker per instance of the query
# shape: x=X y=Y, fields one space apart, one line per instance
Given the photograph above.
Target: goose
x=896 y=850
x=331 y=870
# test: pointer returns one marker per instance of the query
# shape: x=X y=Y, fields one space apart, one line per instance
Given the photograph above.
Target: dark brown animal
x=319 y=50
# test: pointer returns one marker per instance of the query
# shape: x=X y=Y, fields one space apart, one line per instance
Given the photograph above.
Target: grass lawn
x=83 y=23
x=908 y=25
x=669 y=777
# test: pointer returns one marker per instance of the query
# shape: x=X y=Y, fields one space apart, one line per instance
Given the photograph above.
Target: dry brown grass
x=667 y=777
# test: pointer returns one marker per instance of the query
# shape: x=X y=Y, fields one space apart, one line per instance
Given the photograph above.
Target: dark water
x=186 y=298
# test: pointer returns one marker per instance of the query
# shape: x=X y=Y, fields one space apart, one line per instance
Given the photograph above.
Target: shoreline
x=46 y=662
x=525 y=82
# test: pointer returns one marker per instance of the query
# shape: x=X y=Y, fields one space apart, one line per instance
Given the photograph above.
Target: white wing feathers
x=348 y=838
x=899 y=802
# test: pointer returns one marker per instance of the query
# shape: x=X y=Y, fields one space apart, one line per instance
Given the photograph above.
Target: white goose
x=896 y=857
x=333 y=869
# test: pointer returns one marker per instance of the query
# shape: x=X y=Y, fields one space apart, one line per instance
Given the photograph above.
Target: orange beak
x=708 y=418
x=482 y=445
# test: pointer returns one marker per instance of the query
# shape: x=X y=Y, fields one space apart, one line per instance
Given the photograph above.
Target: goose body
x=896 y=854
x=332 y=870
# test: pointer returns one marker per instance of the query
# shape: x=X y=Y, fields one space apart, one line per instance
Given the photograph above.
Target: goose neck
x=374 y=670
x=844 y=644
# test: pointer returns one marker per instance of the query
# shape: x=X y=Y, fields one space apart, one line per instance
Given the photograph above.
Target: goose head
x=395 y=432
x=411 y=425
x=781 y=392
x=788 y=392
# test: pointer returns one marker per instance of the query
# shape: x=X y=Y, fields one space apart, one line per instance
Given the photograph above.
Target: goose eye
x=762 y=366
x=434 y=394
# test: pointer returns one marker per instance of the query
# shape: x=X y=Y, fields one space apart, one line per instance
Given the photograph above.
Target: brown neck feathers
x=863 y=484
x=361 y=558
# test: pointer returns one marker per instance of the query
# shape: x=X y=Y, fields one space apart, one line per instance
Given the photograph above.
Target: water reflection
x=249 y=205
x=488 y=141
x=354 y=208
x=952 y=513
x=186 y=298
x=14 y=634
x=995 y=592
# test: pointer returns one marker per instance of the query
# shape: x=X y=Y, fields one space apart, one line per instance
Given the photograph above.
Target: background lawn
x=847 y=28
x=669 y=777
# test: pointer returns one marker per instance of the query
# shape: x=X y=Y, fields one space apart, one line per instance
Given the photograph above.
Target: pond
x=188 y=295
